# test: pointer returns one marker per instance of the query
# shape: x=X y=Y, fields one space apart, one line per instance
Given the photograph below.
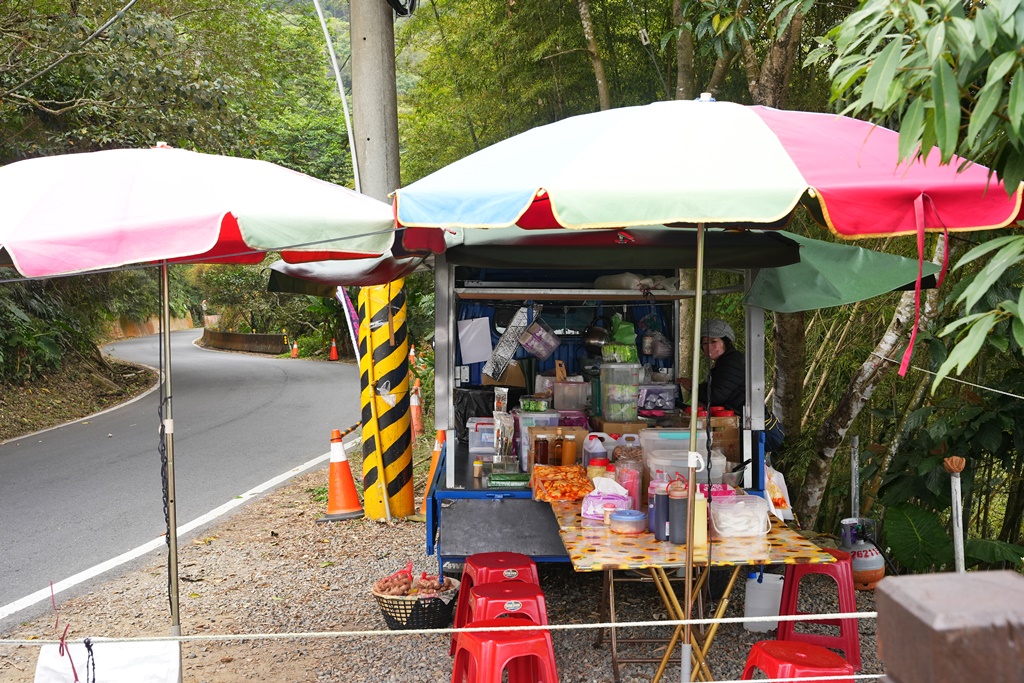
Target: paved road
x=76 y=496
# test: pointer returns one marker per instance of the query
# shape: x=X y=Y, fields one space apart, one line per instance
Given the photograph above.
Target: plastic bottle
x=592 y=449
x=555 y=452
x=677 y=514
x=610 y=472
x=661 y=511
x=569 y=450
x=700 y=522
x=659 y=476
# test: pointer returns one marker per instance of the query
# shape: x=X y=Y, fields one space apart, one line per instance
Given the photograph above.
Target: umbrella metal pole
x=691 y=472
x=168 y=424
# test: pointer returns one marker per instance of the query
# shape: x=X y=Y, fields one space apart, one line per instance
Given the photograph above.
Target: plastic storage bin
x=571 y=395
x=481 y=437
x=739 y=516
x=657 y=397
x=652 y=440
x=620 y=388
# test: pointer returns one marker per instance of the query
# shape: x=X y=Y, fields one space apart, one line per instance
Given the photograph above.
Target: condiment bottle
x=569 y=450
x=700 y=522
x=661 y=511
x=609 y=508
x=609 y=472
x=555 y=454
x=478 y=468
x=659 y=476
x=677 y=513
x=540 y=449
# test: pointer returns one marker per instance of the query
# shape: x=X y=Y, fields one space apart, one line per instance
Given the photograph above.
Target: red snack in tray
x=552 y=483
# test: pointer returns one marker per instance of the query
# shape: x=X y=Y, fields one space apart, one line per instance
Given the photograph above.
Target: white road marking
x=160 y=541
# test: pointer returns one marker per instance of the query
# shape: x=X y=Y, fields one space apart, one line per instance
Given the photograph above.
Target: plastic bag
x=623 y=331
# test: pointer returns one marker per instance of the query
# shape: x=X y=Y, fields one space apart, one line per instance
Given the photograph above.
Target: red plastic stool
x=848 y=639
x=787 y=659
x=482 y=656
x=507 y=599
x=490 y=568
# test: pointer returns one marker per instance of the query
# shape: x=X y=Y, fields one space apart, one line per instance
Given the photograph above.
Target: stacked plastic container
x=620 y=388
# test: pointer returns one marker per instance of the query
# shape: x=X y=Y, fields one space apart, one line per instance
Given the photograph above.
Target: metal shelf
x=549 y=294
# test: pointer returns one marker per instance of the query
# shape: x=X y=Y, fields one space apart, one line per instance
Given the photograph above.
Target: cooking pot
x=595 y=337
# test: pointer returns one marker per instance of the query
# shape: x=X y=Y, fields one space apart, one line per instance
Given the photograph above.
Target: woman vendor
x=726 y=384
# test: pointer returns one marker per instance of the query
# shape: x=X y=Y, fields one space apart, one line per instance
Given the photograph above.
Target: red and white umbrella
x=79 y=213
x=704 y=163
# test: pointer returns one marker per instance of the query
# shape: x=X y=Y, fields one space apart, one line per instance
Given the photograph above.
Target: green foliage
x=917 y=539
x=949 y=70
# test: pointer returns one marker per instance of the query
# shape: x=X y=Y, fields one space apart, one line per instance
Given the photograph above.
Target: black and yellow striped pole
x=384 y=379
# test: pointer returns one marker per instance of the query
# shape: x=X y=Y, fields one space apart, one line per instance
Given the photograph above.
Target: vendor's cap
x=718 y=329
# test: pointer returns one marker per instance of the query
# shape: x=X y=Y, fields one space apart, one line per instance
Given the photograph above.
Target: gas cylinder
x=868 y=563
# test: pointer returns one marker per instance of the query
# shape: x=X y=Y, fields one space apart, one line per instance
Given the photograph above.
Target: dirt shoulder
x=79 y=389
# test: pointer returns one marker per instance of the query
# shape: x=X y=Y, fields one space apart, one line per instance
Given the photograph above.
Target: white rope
x=448 y=631
x=951 y=379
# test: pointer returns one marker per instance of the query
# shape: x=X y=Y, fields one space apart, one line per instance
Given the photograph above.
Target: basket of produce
x=408 y=603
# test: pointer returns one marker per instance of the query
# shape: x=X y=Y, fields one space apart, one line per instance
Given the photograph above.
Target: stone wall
x=254 y=343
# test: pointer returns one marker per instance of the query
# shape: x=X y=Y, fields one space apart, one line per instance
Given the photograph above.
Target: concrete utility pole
x=374 y=98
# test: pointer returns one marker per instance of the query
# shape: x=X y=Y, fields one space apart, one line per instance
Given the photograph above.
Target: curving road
x=78 y=495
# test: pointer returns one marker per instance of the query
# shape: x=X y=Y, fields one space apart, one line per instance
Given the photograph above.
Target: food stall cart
x=493 y=274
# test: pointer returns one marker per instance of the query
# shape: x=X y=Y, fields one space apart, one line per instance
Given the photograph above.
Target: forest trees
x=236 y=77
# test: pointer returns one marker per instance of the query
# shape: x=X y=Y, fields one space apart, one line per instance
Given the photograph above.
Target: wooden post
x=946 y=628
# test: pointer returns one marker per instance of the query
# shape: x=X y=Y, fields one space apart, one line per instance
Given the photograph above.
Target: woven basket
x=433 y=610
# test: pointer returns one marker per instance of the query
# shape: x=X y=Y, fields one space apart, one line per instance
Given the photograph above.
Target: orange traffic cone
x=342 y=498
x=434 y=459
x=295 y=350
x=416 y=410
x=334 y=351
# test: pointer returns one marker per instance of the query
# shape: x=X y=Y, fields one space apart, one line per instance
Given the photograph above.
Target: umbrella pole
x=691 y=473
x=168 y=430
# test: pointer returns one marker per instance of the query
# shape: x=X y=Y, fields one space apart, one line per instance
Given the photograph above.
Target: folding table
x=594 y=547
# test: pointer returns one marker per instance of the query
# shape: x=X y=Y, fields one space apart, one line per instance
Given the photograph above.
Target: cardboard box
x=532 y=432
x=601 y=425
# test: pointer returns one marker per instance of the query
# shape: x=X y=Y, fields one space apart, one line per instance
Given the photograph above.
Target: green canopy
x=831 y=274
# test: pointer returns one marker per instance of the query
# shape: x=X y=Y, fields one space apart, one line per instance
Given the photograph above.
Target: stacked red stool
x=490 y=568
x=507 y=599
x=481 y=656
x=501 y=590
x=788 y=659
x=841 y=571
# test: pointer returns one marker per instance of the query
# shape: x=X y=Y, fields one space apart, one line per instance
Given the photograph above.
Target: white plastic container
x=571 y=395
x=762 y=600
x=652 y=440
x=672 y=463
x=717 y=464
x=481 y=437
x=593 y=448
x=739 y=516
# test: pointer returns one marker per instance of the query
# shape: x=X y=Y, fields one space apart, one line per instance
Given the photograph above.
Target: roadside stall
x=705 y=164
x=498 y=290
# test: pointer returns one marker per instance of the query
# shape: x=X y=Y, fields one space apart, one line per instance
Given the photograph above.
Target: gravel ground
x=269 y=568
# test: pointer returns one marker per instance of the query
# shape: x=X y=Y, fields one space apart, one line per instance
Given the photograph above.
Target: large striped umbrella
x=85 y=212
x=704 y=163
